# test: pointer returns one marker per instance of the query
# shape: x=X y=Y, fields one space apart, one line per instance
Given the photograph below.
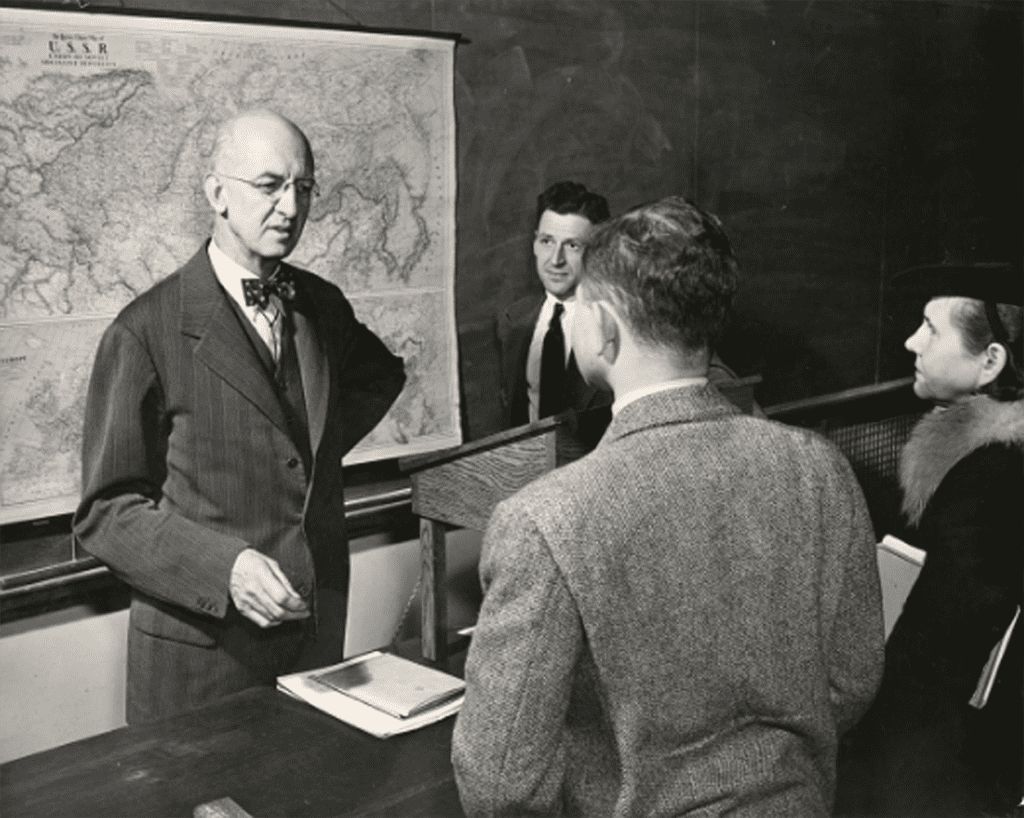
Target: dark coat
x=515 y=326
x=923 y=749
x=188 y=460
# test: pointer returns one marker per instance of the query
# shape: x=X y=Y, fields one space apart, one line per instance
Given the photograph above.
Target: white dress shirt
x=540 y=329
x=265 y=321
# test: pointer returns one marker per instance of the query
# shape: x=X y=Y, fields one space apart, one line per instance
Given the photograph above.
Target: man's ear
x=611 y=332
x=994 y=359
x=213 y=187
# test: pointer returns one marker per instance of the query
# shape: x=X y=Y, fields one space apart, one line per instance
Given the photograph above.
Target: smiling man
x=221 y=403
x=539 y=373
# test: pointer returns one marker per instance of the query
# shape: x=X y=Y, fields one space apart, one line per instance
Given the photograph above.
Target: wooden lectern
x=460 y=487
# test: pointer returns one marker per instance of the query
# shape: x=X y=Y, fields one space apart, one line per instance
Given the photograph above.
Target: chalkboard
x=839 y=143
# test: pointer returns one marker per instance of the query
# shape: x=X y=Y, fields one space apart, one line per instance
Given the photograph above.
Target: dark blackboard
x=839 y=142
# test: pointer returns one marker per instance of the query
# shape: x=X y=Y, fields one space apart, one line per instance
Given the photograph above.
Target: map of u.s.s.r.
x=106 y=128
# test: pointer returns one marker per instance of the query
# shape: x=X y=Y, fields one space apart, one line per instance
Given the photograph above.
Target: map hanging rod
x=357 y=27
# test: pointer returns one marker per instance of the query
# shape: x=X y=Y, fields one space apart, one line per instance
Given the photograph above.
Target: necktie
x=257 y=291
x=552 y=367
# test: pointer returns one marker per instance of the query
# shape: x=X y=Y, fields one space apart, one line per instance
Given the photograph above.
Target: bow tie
x=257 y=291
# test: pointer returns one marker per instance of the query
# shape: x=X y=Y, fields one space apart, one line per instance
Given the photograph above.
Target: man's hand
x=262 y=592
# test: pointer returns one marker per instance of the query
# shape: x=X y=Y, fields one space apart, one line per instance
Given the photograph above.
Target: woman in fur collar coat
x=924 y=748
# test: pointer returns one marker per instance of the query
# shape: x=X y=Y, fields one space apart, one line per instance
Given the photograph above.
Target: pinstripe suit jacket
x=187 y=457
x=679 y=623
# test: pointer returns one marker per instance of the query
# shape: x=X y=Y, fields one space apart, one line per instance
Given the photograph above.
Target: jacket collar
x=687 y=404
x=222 y=343
x=523 y=314
x=945 y=436
x=522 y=317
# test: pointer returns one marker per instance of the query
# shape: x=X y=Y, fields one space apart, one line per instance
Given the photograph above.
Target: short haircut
x=970 y=318
x=670 y=270
x=572 y=197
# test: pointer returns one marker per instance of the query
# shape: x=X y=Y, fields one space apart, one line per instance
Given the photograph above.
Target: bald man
x=221 y=403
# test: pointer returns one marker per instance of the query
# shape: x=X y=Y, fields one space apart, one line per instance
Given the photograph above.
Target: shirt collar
x=654 y=388
x=230 y=274
x=548 y=308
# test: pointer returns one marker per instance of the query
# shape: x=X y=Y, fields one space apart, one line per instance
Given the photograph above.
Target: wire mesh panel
x=873 y=449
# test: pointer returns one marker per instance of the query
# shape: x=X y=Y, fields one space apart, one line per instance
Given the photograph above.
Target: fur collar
x=945 y=436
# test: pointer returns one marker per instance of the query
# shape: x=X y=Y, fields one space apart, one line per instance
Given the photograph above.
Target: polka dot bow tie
x=257 y=292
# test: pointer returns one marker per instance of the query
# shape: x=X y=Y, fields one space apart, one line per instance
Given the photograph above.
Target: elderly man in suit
x=683 y=621
x=221 y=403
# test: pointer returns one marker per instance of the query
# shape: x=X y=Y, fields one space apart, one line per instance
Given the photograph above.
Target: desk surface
x=274 y=756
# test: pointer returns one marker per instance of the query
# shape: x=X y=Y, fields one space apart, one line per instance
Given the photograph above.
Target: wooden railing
x=60 y=569
x=870 y=425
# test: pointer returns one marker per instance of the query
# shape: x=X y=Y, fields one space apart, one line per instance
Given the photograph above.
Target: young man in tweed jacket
x=685 y=620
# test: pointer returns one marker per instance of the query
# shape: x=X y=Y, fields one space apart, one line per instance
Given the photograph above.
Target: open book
x=898 y=566
x=379 y=693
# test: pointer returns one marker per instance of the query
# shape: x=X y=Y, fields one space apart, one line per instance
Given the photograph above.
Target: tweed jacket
x=926 y=750
x=589 y=406
x=679 y=623
x=188 y=459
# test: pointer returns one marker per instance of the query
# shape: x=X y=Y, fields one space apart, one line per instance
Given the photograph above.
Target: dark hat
x=992 y=282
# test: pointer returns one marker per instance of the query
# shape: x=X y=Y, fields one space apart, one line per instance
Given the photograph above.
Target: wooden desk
x=273 y=755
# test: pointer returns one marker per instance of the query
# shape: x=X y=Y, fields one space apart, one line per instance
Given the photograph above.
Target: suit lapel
x=222 y=344
x=315 y=374
x=523 y=335
x=520 y=319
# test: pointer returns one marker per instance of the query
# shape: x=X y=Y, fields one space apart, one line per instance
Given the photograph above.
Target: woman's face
x=945 y=371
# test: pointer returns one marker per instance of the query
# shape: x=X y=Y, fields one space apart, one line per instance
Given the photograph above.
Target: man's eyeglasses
x=274 y=187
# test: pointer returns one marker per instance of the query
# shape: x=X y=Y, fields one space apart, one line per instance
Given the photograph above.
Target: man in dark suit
x=221 y=403
x=539 y=373
x=683 y=621
x=539 y=376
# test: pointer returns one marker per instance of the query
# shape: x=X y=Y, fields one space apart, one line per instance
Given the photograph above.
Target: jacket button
x=293 y=462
